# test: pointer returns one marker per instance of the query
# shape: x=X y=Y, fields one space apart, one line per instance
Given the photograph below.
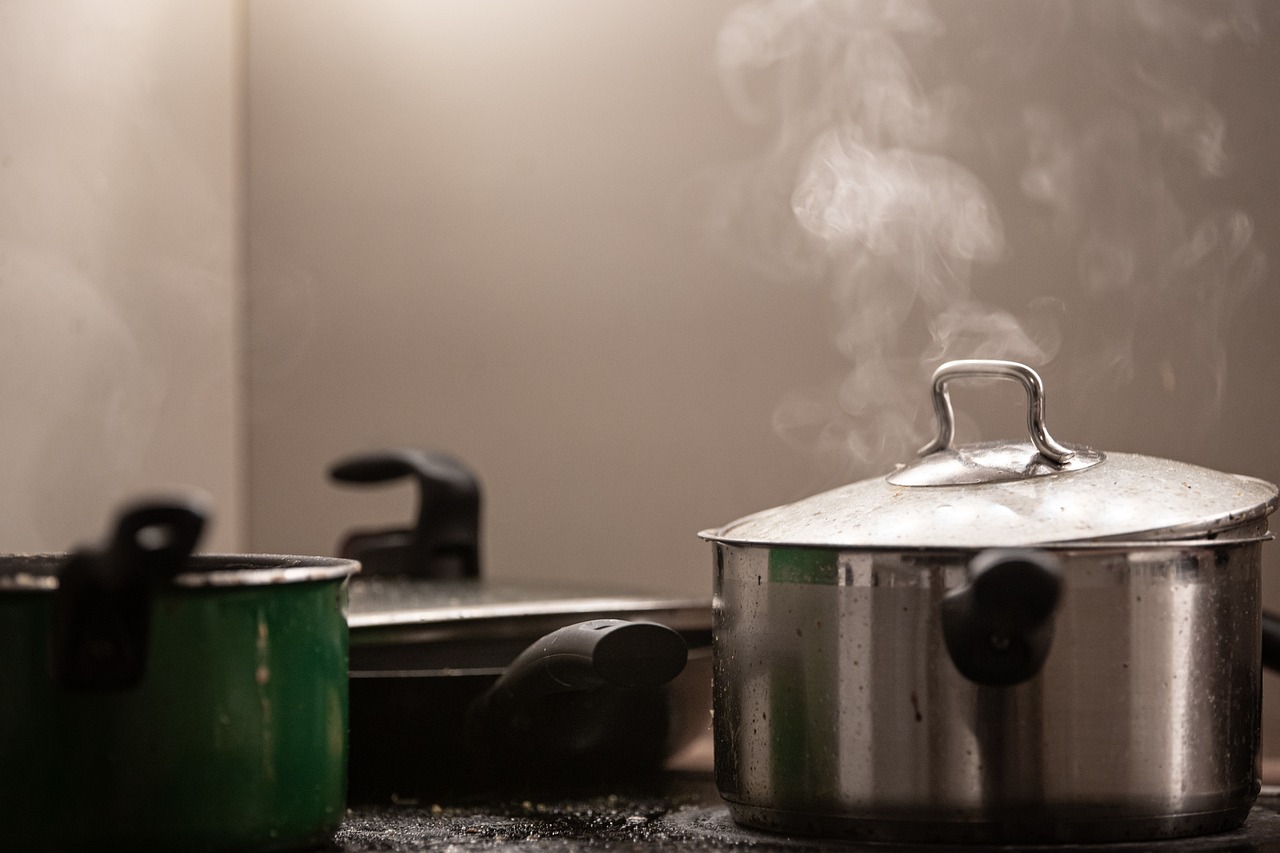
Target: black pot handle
x=444 y=541
x=156 y=538
x=102 y=609
x=998 y=627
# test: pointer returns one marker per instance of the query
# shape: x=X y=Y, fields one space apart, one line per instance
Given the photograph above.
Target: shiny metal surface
x=1044 y=443
x=838 y=710
x=223 y=570
x=989 y=462
x=27 y=572
x=397 y=601
x=1126 y=496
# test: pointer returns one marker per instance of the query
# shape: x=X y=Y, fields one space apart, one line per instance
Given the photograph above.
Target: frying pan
x=464 y=688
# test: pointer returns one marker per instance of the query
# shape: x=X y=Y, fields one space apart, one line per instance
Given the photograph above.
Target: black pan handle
x=102 y=609
x=999 y=626
x=444 y=541
x=580 y=658
x=592 y=654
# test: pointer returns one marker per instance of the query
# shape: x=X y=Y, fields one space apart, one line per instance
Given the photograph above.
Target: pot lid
x=1012 y=494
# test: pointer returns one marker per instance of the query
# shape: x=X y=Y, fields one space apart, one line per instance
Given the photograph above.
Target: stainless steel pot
x=1021 y=642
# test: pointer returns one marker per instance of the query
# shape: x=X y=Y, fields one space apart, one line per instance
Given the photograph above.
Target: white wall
x=120 y=263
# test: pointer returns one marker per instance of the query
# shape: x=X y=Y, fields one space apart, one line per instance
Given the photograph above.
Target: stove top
x=682 y=811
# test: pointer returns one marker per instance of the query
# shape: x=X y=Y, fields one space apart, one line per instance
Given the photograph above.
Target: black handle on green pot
x=102 y=609
x=156 y=537
x=587 y=656
x=998 y=627
x=444 y=541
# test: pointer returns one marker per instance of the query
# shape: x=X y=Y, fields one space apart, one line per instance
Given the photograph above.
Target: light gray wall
x=479 y=229
x=121 y=279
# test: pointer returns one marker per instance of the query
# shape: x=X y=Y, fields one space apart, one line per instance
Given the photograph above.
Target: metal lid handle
x=994 y=368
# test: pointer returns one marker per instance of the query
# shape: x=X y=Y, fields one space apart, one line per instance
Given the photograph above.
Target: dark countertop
x=651 y=816
x=682 y=811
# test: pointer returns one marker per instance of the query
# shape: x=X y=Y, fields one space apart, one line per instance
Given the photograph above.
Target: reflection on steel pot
x=1022 y=642
x=160 y=701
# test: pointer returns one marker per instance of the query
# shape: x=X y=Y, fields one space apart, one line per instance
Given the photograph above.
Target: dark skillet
x=463 y=688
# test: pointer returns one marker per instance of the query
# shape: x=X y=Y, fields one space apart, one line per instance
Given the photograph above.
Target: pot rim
x=1094 y=546
x=36 y=572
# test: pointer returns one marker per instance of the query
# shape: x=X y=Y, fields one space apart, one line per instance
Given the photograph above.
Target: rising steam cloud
x=986 y=178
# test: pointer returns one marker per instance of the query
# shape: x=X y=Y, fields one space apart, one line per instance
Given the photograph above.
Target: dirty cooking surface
x=682 y=812
x=674 y=813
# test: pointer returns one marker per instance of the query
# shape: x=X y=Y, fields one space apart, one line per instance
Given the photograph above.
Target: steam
x=987 y=179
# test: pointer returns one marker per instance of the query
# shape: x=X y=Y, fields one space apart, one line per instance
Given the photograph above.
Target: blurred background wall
x=481 y=229
x=121 y=263
x=646 y=266
x=560 y=240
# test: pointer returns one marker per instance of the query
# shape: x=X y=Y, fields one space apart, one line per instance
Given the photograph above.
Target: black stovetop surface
x=681 y=811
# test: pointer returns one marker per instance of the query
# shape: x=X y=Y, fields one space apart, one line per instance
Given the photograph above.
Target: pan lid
x=379 y=603
x=411 y=625
x=1017 y=494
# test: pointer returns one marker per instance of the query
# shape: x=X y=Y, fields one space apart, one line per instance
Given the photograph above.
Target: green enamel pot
x=225 y=728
